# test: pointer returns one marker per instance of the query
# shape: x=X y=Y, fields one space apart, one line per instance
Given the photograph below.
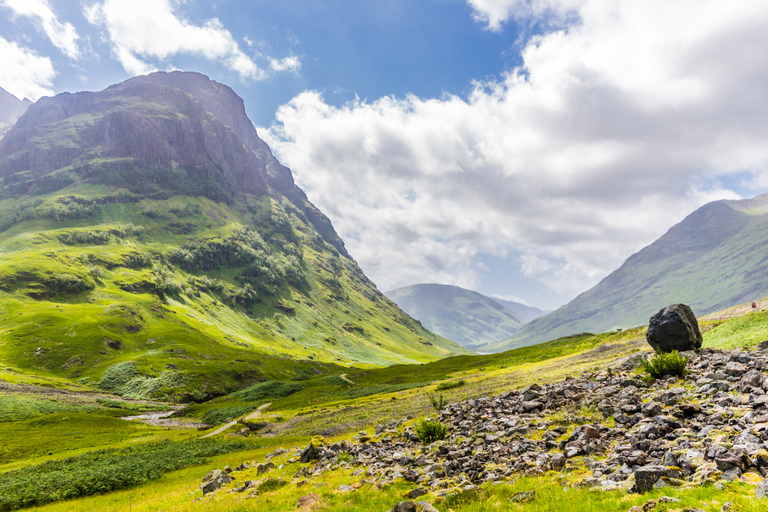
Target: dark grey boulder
x=214 y=480
x=674 y=328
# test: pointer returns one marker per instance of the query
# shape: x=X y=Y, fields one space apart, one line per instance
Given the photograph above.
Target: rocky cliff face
x=11 y=108
x=163 y=133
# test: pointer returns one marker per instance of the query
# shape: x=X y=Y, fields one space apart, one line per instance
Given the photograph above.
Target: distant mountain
x=146 y=230
x=715 y=258
x=11 y=108
x=527 y=313
x=466 y=317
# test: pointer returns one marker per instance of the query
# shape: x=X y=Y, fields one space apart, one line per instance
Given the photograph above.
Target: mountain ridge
x=464 y=316
x=711 y=260
x=137 y=227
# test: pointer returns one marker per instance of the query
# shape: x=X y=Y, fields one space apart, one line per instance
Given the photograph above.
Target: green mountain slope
x=148 y=225
x=715 y=258
x=466 y=317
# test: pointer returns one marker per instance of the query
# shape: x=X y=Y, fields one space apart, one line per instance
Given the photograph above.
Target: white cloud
x=143 y=32
x=62 y=35
x=615 y=127
x=292 y=64
x=24 y=73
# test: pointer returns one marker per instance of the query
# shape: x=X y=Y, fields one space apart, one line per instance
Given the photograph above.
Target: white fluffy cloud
x=142 y=31
x=24 y=73
x=62 y=35
x=617 y=125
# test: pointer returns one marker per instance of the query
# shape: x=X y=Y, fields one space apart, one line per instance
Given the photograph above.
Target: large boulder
x=674 y=328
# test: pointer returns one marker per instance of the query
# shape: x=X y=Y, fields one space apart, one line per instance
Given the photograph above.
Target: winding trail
x=253 y=415
x=343 y=376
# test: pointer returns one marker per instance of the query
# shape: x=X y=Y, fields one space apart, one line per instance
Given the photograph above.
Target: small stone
x=523 y=497
x=218 y=479
x=309 y=500
x=761 y=491
x=416 y=493
x=405 y=506
x=424 y=506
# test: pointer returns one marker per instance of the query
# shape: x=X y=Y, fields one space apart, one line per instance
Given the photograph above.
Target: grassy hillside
x=712 y=260
x=144 y=251
x=466 y=317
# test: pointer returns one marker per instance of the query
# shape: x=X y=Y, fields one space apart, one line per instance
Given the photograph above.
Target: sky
x=520 y=148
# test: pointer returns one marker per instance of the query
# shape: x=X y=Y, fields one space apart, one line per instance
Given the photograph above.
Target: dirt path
x=255 y=414
x=343 y=376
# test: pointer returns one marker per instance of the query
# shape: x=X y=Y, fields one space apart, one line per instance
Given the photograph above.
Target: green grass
x=742 y=331
x=19 y=408
x=104 y=471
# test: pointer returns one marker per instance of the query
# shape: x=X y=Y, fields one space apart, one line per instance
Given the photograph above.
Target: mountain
x=11 y=108
x=466 y=317
x=714 y=259
x=527 y=313
x=147 y=232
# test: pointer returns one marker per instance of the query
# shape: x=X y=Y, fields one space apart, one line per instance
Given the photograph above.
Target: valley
x=181 y=329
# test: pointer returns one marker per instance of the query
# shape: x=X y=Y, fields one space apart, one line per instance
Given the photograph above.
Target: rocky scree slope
x=605 y=430
x=712 y=260
x=149 y=236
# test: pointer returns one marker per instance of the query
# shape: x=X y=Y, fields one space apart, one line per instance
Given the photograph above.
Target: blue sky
x=521 y=148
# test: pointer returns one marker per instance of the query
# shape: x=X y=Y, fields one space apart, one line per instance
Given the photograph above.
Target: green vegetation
x=269 y=390
x=430 y=431
x=221 y=415
x=445 y=386
x=103 y=471
x=438 y=401
x=663 y=365
x=18 y=408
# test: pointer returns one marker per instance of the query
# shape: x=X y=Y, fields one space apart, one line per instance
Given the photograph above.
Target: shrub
x=223 y=414
x=664 y=364
x=430 y=431
x=437 y=401
x=104 y=471
x=443 y=386
x=345 y=457
x=268 y=390
x=270 y=484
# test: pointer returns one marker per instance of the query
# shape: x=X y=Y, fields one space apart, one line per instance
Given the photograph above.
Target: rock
x=416 y=493
x=557 y=462
x=424 y=506
x=523 y=497
x=214 y=480
x=310 y=500
x=310 y=453
x=761 y=491
x=263 y=468
x=674 y=328
x=405 y=506
x=647 y=476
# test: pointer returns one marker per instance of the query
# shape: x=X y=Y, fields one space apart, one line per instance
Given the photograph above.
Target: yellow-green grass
x=554 y=491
